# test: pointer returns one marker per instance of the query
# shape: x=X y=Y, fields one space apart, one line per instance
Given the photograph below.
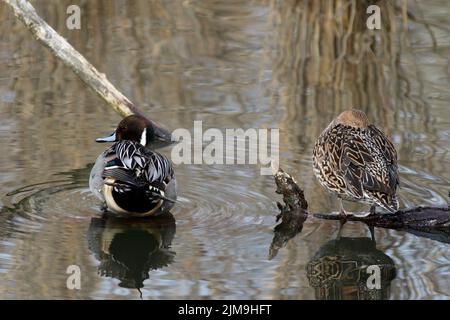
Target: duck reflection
x=129 y=248
x=351 y=269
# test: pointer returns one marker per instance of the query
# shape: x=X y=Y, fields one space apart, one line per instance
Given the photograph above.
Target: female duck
x=356 y=161
x=133 y=180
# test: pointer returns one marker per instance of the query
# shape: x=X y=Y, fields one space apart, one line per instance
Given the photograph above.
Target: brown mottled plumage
x=355 y=160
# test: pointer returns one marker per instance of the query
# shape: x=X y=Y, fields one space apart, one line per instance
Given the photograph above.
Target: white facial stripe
x=144 y=137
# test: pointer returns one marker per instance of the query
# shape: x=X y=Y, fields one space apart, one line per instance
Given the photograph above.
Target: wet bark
x=427 y=222
x=417 y=218
x=293 y=212
x=60 y=48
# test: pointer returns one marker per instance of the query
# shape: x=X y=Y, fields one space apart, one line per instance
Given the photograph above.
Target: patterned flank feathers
x=134 y=166
x=356 y=161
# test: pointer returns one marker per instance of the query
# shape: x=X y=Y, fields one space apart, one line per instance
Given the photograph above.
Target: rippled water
x=231 y=64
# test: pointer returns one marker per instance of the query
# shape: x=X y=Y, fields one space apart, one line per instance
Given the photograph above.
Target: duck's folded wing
x=155 y=166
x=366 y=167
x=389 y=154
x=351 y=166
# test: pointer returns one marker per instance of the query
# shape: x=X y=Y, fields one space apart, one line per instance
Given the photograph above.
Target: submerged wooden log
x=59 y=47
x=427 y=222
x=417 y=218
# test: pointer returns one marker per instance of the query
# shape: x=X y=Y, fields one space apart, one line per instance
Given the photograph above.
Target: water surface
x=231 y=64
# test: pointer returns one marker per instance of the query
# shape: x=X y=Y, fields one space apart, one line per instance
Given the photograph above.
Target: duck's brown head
x=135 y=128
x=140 y=129
x=353 y=117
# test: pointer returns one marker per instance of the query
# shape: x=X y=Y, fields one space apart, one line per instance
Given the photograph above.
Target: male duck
x=133 y=180
x=354 y=159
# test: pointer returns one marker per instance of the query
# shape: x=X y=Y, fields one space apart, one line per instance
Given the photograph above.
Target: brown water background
x=291 y=65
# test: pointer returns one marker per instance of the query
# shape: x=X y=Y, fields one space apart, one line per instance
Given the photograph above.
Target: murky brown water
x=231 y=64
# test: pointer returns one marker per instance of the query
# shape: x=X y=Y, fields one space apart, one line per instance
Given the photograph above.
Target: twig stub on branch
x=293 y=213
x=293 y=195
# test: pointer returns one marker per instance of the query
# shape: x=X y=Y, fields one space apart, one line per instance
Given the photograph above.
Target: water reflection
x=291 y=225
x=28 y=207
x=340 y=270
x=289 y=64
x=128 y=249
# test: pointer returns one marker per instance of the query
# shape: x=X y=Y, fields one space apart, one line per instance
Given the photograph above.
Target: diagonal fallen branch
x=60 y=48
x=95 y=80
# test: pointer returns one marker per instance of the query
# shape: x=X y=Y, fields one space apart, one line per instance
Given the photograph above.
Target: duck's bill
x=110 y=138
